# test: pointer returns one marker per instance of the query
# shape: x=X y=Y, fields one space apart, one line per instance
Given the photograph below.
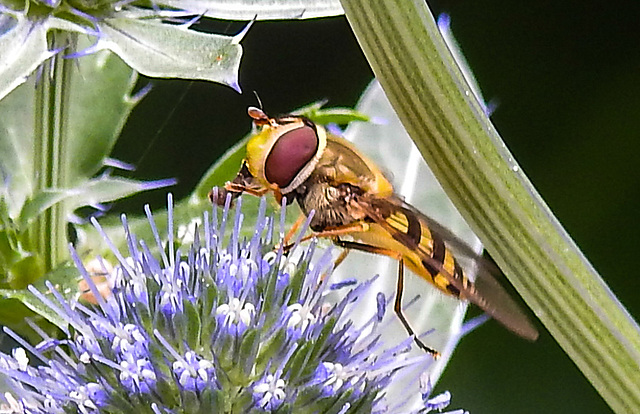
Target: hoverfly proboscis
x=291 y=156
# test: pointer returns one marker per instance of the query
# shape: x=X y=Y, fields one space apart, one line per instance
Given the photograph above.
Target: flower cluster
x=226 y=326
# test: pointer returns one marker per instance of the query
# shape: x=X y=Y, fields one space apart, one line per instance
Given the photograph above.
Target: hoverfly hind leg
x=397 y=307
x=333 y=233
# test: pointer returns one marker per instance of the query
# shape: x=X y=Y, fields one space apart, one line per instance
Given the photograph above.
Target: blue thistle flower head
x=223 y=325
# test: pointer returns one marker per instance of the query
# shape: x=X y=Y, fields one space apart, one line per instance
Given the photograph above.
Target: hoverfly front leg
x=218 y=195
x=292 y=231
x=238 y=189
x=244 y=182
x=397 y=307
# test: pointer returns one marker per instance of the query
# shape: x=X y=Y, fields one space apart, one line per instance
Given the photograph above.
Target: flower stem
x=421 y=79
x=52 y=95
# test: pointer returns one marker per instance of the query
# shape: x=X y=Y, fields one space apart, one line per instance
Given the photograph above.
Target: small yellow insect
x=356 y=207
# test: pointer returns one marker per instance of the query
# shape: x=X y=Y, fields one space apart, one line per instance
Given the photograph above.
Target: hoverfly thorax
x=284 y=151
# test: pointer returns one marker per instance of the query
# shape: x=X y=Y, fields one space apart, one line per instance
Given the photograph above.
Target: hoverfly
x=356 y=207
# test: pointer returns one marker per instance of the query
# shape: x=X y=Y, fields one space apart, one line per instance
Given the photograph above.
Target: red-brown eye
x=292 y=151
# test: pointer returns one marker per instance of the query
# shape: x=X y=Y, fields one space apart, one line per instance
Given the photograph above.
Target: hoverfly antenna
x=258 y=99
x=258 y=115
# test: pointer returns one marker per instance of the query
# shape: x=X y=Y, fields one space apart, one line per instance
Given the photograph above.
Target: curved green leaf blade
x=64 y=279
x=41 y=201
x=161 y=50
x=106 y=188
x=16 y=147
x=338 y=116
x=223 y=170
x=90 y=193
x=438 y=109
x=23 y=48
x=259 y=9
x=99 y=104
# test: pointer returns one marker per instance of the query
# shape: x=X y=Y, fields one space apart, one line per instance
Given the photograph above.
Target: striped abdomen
x=423 y=250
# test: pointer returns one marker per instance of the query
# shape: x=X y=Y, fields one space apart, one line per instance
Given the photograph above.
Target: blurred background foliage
x=565 y=78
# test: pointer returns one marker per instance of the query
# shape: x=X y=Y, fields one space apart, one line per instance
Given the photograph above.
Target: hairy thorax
x=333 y=204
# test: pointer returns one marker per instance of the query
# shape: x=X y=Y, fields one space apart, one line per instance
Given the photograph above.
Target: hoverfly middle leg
x=397 y=307
x=334 y=232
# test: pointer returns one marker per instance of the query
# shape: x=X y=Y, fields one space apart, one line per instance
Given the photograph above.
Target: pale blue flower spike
x=178 y=322
x=121 y=165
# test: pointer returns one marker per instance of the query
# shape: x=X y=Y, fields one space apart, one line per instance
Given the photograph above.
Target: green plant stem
x=419 y=75
x=52 y=94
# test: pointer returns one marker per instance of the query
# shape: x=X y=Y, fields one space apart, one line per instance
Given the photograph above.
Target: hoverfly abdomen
x=438 y=254
x=426 y=252
x=442 y=266
x=411 y=232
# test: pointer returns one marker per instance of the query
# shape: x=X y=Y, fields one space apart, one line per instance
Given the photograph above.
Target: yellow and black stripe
x=427 y=253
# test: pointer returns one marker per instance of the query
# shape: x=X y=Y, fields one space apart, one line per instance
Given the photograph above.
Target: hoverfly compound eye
x=290 y=154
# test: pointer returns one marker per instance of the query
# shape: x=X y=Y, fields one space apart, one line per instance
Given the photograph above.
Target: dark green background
x=566 y=76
